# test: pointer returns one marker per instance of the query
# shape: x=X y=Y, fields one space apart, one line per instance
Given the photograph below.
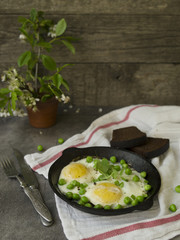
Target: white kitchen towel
x=155 y=223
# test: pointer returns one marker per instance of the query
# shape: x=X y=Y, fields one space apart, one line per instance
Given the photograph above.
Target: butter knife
x=33 y=191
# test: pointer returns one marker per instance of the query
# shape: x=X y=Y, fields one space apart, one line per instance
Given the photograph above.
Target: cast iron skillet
x=137 y=162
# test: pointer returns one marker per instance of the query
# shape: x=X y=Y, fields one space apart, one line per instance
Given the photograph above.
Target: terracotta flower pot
x=46 y=114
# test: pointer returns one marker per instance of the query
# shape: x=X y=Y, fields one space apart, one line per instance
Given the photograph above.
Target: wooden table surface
x=18 y=219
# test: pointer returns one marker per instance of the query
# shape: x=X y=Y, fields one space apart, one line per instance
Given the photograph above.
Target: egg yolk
x=74 y=171
x=107 y=193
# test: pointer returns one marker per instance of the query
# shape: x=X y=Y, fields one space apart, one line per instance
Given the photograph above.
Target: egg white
x=130 y=187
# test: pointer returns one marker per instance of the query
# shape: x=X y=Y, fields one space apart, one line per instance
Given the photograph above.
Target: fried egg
x=80 y=171
x=104 y=193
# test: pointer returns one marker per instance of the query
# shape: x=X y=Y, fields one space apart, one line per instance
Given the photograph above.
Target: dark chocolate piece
x=152 y=148
x=127 y=137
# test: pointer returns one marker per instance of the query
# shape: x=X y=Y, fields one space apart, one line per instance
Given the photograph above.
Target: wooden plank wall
x=129 y=52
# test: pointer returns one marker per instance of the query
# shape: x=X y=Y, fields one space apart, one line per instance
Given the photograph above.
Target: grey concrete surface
x=18 y=219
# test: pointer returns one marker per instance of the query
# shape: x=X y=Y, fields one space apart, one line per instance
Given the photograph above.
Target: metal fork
x=11 y=172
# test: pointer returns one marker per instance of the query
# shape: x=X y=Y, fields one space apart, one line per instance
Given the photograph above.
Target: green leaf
x=45 y=45
x=29 y=38
x=65 y=84
x=4 y=90
x=57 y=80
x=3 y=103
x=45 y=97
x=44 y=89
x=24 y=58
x=104 y=165
x=22 y=19
x=65 y=65
x=31 y=64
x=9 y=109
x=13 y=100
x=61 y=27
x=69 y=46
x=33 y=15
x=114 y=174
x=18 y=92
x=55 y=90
x=48 y=62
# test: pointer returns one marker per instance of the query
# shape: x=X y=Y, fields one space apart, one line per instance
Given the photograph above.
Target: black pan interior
x=136 y=161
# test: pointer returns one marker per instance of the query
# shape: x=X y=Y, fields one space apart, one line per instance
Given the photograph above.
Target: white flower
x=65 y=99
x=51 y=34
x=19 y=113
x=3 y=78
x=22 y=36
x=15 y=113
x=4 y=113
x=14 y=71
x=52 y=31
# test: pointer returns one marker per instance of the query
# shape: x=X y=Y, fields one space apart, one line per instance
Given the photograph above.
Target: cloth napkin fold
x=157 y=222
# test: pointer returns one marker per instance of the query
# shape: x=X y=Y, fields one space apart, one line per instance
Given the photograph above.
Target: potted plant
x=40 y=81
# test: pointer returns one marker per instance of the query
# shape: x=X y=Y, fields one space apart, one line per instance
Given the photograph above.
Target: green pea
x=88 y=205
x=177 y=188
x=147 y=187
x=98 y=206
x=118 y=206
x=134 y=202
x=122 y=161
x=140 y=198
x=70 y=186
x=83 y=185
x=69 y=195
x=117 y=183
x=80 y=202
x=135 y=178
x=82 y=191
x=85 y=199
x=145 y=195
x=76 y=196
x=107 y=207
x=133 y=197
x=60 y=140
x=113 y=159
x=89 y=159
x=127 y=200
x=39 y=147
x=143 y=174
x=125 y=165
x=121 y=185
x=62 y=181
x=172 y=208
x=75 y=183
x=117 y=167
x=128 y=171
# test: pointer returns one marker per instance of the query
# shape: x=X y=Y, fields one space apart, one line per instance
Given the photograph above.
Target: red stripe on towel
x=134 y=227
x=56 y=156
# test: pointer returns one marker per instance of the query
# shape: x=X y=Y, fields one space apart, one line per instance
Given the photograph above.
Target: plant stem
x=36 y=70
